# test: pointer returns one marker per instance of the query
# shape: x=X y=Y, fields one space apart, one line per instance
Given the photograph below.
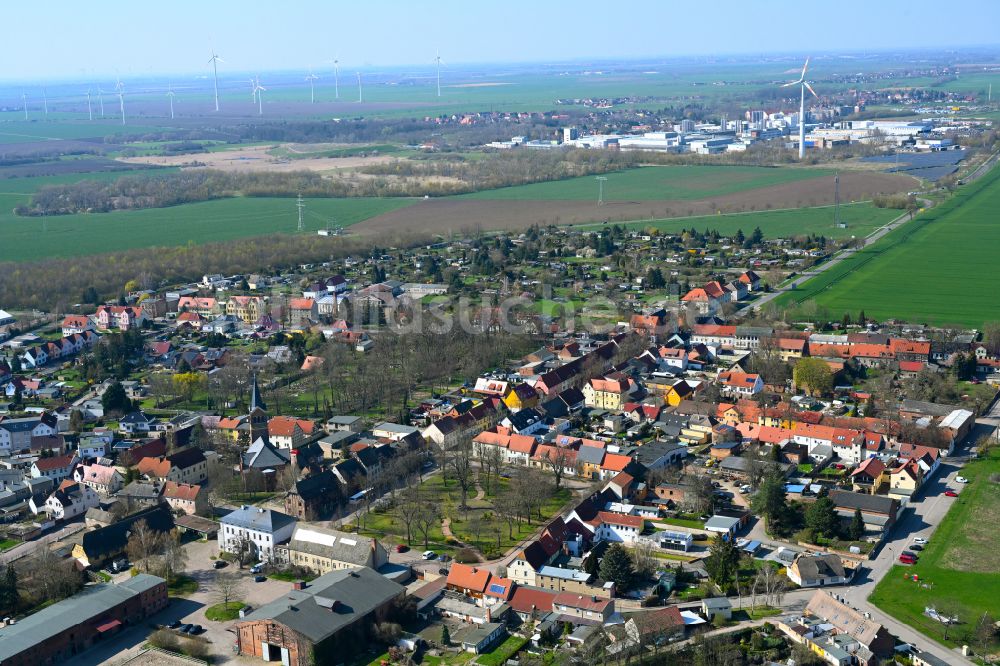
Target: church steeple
x=256 y=401
x=257 y=417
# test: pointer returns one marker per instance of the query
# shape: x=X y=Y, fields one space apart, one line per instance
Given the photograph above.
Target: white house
x=260 y=529
x=103 y=479
x=16 y=434
x=67 y=502
x=56 y=468
x=618 y=528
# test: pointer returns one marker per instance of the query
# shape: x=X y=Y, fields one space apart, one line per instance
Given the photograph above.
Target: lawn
x=479 y=527
x=224 y=612
x=935 y=269
x=657 y=183
x=32 y=238
x=182 y=586
x=958 y=571
x=7 y=544
x=501 y=653
x=861 y=219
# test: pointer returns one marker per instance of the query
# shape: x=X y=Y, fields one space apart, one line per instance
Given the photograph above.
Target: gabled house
x=104 y=544
x=314 y=496
x=190 y=498
x=56 y=468
x=185 y=466
x=69 y=501
x=520 y=396
x=255 y=528
x=287 y=432
x=741 y=384
x=105 y=480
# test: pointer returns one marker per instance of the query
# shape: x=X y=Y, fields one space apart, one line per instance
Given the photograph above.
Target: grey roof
x=20 y=425
x=255 y=518
x=590 y=454
x=330 y=603
x=339 y=546
x=344 y=419
x=60 y=617
x=926 y=408
x=652 y=451
x=812 y=567
x=844 y=499
x=262 y=454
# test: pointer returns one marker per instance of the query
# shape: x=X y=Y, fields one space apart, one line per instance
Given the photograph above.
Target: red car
x=402 y=548
x=907 y=558
x=950 y=493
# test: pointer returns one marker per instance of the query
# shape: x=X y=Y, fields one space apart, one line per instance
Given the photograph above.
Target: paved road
x=28 y=547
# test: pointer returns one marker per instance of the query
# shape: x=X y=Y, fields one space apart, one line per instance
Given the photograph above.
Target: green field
x=959 y=566
x=861 y=220
x=657 y=183
x=34 y=238
x=14 y=129
x=938 y=269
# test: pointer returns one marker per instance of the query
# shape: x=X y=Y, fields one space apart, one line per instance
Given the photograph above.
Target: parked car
x=950 y=493
x=219 y=564
x=908 y=558
x=196 y=629
x=921 y=540
x=184 y=628
x=259 y=579
x=428 y=555
x=173 y=625
x=916 y=547
x=961 y=479
x=402 y=548
x=257 y=568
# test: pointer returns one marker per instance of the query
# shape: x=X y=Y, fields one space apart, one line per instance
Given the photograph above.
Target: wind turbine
x=437 y=61
x=336 y=78
x=253 y=90
x=803 y=84
x=100 y=99
x=90 y=109
x=312 y=90
x=24 y=105
x=45 y=103
x=359 y=87
x=214 y=62
x=258 y=90
x=170 y=94
x=120 y=87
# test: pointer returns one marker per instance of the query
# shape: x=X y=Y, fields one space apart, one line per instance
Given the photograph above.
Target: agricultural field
x=958 y=573
x=657 y=183
x=938 y=269
x=747 y=193
x=34 y=238
x=861 y=219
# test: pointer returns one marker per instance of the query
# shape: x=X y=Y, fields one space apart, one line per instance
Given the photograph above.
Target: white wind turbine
x=170 y=94
x=100 y=100
x=24 y=105
x=253 y=90
x=120 y=87
x=312 y=89
x=336 y=78
x=214 y=62
x=437 y=61
x=45 y=102
x=803 y=85
x=258 y=91
x=359 y=87
x=90 y=109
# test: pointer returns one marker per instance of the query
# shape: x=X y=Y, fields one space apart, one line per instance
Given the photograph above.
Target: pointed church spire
x=255 y=398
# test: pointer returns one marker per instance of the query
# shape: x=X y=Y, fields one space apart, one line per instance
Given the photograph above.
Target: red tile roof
x=466 y=577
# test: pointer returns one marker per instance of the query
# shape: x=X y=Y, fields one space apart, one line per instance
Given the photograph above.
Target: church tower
x=257 y=418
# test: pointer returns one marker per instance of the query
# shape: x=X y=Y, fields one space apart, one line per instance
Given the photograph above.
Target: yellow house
x=247 y=308
x=605 y=393
x=679 y=390
x=789 y=348
x=905 y=479
x=520 y=396
x=776 y=418
x=731 y=416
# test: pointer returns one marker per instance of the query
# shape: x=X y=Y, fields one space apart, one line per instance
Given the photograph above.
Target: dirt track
x=454 y=215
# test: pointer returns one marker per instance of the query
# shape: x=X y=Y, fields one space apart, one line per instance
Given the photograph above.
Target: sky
x=69 y=39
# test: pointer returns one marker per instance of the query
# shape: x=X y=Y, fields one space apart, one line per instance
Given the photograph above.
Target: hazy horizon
x=67 y=42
